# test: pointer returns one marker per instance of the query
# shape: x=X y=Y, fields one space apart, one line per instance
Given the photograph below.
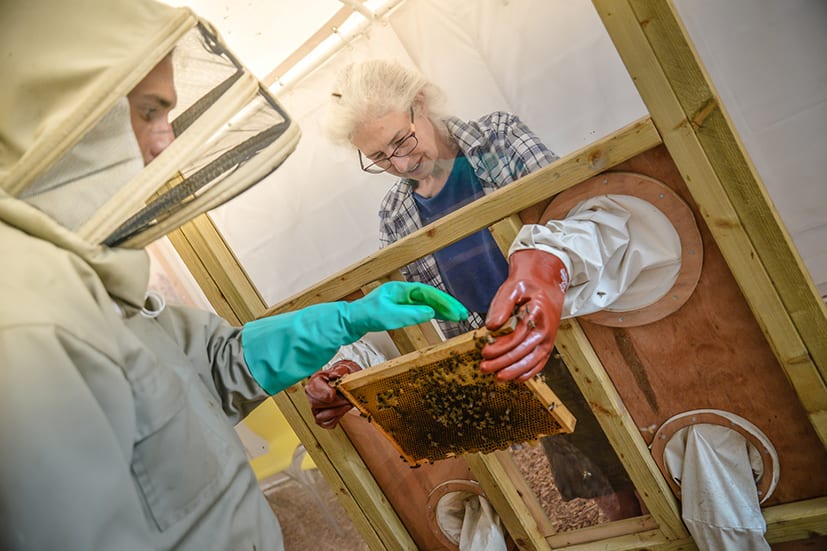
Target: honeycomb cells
x=448 y=407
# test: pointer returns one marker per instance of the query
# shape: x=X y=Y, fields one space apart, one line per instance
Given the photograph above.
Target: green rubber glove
x=284 y=349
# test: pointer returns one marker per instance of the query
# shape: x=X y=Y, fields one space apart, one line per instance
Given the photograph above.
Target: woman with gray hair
x=391 y=114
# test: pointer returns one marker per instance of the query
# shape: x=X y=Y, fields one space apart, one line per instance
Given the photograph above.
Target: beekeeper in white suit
x=116 y=412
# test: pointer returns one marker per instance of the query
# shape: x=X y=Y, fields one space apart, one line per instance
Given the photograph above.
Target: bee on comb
x=435 y=403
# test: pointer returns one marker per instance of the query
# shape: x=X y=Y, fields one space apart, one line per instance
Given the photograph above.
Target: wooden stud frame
x=391 y=396
x=725 y=185
x=687 y=117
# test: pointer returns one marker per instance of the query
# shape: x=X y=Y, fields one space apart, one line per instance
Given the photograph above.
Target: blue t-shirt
x=472 y=268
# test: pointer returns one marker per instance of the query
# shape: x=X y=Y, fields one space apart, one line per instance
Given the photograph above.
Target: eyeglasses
x=403 y=148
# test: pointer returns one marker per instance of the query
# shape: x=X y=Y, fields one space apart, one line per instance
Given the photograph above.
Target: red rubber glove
x=536 y=285
x=327 y=405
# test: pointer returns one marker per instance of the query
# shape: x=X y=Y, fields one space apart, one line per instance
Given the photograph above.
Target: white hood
x=65 y=140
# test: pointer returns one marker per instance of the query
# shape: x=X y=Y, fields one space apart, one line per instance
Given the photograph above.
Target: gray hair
x=372 y=89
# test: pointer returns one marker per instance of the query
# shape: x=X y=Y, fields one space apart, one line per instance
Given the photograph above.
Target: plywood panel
x=406 y=488
x=710 y=354
x=434 y=403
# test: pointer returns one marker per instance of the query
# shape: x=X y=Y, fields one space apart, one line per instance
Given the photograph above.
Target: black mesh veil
x=205 y=73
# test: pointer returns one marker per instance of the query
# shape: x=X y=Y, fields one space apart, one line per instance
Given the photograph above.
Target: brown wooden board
x=711 y=353
x=406 y=488
x=435 y=403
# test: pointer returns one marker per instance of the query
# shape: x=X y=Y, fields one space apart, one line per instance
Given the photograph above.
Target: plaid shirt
x=500 y=149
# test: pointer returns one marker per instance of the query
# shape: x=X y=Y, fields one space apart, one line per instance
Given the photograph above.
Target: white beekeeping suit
x=117 y=414
x=69 y=68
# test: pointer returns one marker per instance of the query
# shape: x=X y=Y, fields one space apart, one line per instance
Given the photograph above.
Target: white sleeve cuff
x=610 y=246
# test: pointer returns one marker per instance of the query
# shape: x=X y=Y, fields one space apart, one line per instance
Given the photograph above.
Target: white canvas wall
x=551 y=62
x=767 y=60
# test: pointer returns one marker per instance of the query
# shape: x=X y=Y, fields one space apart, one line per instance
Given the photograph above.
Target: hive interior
x=435 y=403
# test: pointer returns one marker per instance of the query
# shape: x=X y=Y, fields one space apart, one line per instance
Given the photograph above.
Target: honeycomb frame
x=435 y=403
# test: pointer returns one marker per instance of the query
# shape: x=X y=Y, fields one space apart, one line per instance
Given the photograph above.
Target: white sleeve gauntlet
x=621 y=252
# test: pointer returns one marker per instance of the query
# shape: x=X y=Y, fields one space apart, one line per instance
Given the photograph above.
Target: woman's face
x=377 y=139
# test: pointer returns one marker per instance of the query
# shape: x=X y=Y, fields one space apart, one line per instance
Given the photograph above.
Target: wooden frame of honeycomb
x=435 y=403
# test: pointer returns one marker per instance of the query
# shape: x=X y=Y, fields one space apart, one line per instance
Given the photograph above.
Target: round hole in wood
x=765 y=484
x=681 y=218
x=468 y=487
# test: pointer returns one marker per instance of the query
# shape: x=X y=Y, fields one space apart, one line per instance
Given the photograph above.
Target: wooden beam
x=605 y=531
x=701 y=139
x=347 y=475
x=180 y=241
x=651 y=540
x=217 y=270
x=621 y=430
x=230 y=291
x=796 y=521
x=486 y=211
x=785 y=523
x=505 y=231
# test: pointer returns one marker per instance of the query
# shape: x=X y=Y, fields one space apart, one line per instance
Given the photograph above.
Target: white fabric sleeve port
x=469 y=521
x=717 y=470
x=621 y=252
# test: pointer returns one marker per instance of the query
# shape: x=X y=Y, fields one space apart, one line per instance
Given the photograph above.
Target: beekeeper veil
x=67 y=143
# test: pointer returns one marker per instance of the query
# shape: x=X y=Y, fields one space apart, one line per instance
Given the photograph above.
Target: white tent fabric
x=551 y=62
x=318 y=213
x=766 y=60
